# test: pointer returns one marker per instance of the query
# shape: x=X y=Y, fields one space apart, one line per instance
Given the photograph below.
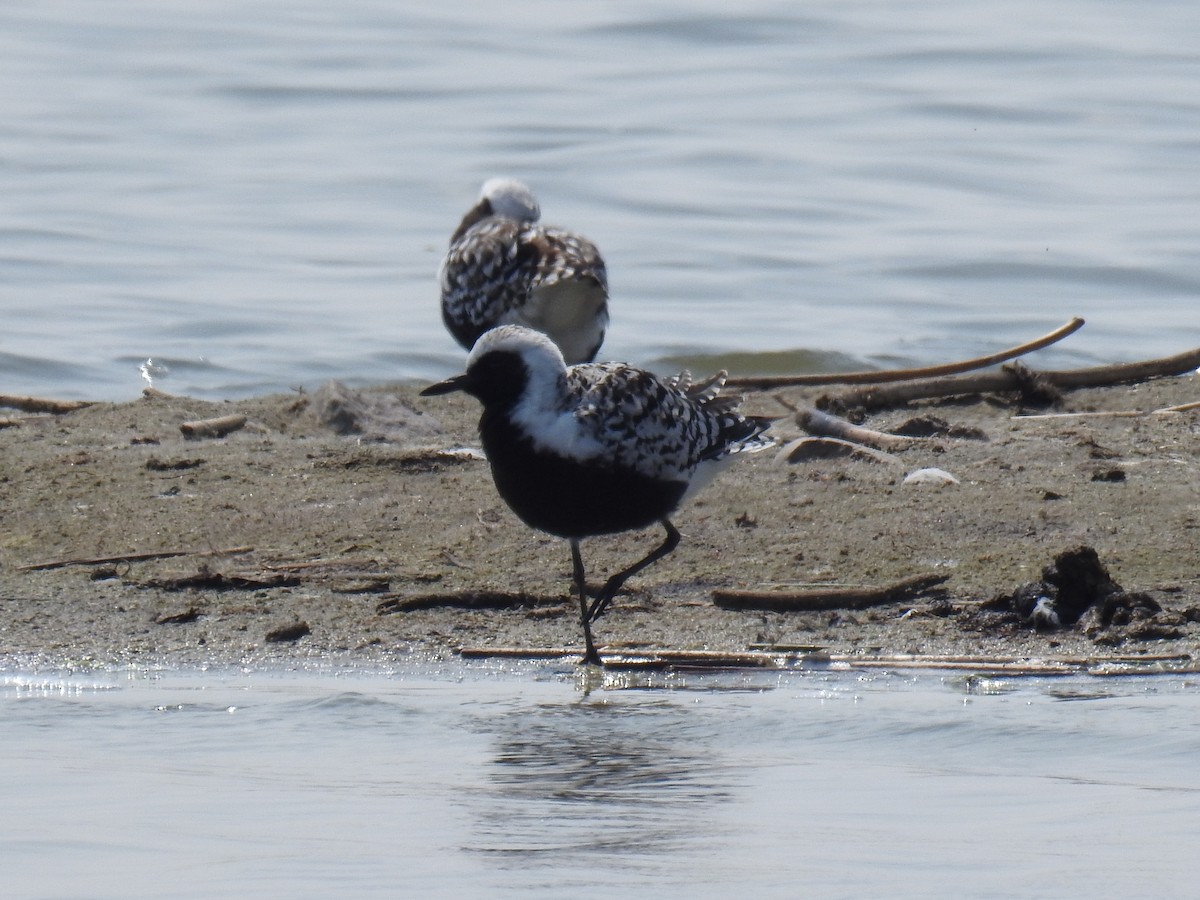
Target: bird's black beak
x=449 y=386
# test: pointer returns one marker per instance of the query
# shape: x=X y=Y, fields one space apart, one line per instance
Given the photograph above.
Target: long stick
x=1182 y=407
x=128 y=557
x=41 y=404
x=1114 y=413
x=1005 y=380
x=467 y=599
x=766 y=382
x=768 y=658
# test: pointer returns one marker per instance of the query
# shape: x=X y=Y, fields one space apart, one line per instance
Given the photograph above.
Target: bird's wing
x=487 y=272
x=563 y=256
x=644 y=422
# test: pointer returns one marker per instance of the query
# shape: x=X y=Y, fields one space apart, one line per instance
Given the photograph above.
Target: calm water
x=257 y=193
x=481 y=782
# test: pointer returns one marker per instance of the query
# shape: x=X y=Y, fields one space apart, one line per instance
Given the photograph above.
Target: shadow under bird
x=505 y=268
x=591 y=449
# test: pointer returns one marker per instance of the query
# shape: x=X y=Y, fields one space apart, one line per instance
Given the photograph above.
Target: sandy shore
x=288 y=542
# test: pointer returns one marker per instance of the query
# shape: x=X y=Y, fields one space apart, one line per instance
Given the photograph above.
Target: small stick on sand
x=467 y=599
x=352 y=563
x=212 y=428
x=767 y=382
x=42 y=405
x=1182 y=407
x=1105 y=414
x=820 y=599
x=218 y=581
x=813 y=448
x=822 y=424
x=128 y=557
x=1117 y=414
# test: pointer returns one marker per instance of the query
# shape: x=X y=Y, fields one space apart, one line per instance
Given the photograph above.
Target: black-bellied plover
x=504 y=268
x=596 y=448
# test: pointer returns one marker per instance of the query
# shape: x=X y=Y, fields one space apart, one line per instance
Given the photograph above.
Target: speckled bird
x=504 y=267
x=591 y=449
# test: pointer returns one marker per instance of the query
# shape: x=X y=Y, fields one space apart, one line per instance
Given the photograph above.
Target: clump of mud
x=1076 y=591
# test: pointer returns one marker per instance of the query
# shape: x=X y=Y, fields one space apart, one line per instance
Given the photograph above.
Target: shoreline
x=350 y=528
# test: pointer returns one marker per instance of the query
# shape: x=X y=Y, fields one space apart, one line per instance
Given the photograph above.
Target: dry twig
x=1182 y=407
x=812 y=448
x=468 y=599
x=213 y=428
x=1115 y=414
x=819 y=599
x=1014 y=378
x=218 y=581
x=823 y=424
x=767 y=382
x=128 y=557
x=41 y=404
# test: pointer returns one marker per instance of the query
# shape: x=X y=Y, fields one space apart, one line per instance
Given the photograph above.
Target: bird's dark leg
x=614 y=583
x=590 y=656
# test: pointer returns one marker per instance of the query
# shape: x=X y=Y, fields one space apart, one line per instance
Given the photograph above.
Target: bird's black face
x=496 y=379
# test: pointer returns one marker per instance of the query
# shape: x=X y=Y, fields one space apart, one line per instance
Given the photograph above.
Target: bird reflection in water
x=600 y=777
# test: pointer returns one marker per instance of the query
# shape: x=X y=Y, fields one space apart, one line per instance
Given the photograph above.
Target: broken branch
x=1011 y=379
x=1182 y=407
x=41 y=404
x=823 y=424
x=128 y=557
x=813 y=448
x=212 y=428
x=819 y=599
x=467 y=599
x=217 y=581
x=767 y=382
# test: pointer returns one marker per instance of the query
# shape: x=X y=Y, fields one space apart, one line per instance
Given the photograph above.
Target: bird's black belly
x=569 y=498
